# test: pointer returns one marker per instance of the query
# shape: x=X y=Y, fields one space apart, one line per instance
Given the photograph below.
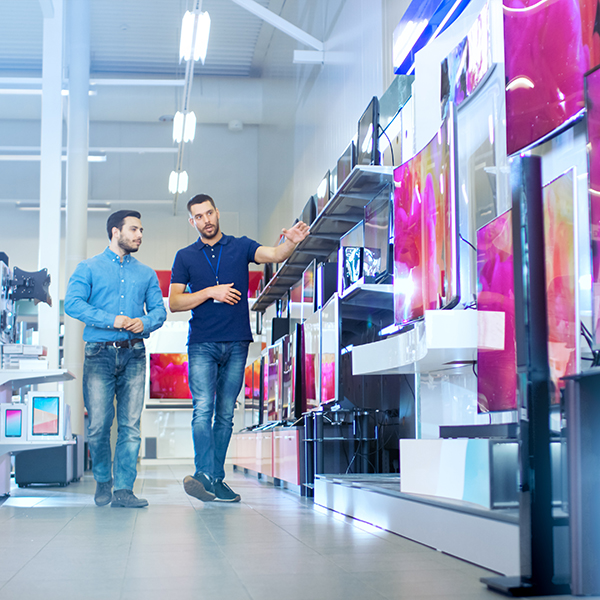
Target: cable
x=466 y=241
x=390 y=143
x=474 y=370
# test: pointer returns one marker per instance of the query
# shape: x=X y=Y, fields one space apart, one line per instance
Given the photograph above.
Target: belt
x=123 y=343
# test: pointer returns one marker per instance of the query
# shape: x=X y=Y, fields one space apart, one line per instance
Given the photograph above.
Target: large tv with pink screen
x=169 y=376
x=497 y=346
x=425 y=228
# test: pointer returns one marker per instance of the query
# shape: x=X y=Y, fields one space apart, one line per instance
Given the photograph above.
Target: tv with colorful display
x=352 y=265
x=169 y=376
x=274 y=381
x=330 y=351
x=561 y=279
x=497 y=346
x=367 y=146
x=288 y=371
x=545 y=62
x=377 y=237
x=346 y=162
x=248 y=386
x=425 y=229
x=308 y=290
x=312 y=362
x=592 y=101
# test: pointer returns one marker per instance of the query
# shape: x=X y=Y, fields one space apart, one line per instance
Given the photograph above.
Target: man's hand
x=135 y=326
x=121 y=322
x=297 y=233
x=225 y=293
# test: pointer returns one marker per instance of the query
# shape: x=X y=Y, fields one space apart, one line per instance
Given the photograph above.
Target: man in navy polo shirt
x=210 y=277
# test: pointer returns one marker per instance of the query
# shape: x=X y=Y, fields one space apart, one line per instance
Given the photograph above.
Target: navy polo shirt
x=200 y=266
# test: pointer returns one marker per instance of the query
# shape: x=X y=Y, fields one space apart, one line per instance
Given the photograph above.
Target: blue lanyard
x=215 y=271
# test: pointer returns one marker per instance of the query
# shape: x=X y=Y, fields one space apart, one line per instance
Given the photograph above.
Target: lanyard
x=215 y=271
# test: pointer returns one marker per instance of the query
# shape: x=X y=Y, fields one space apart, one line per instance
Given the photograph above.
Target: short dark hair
x=117 y=219
x=200 y=199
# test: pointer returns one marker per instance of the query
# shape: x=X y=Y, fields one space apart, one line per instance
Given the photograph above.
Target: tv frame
x=32 y=399
x=347 y=159
x=309 y=212
x=323 y=194
x=369 y=118
x=17 y=407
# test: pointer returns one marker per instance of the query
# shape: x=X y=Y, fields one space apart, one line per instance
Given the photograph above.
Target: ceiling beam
x=279 y=23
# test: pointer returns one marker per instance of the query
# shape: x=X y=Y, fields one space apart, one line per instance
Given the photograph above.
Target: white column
x=51 y=176
x=78 y=20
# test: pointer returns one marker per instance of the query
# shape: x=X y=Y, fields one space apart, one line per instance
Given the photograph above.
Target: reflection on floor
x=57 y=545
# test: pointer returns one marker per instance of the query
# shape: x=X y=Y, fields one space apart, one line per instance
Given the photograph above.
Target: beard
x=128 y=247
x=215 y=232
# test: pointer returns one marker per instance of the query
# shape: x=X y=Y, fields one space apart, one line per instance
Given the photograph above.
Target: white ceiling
x=141 y=37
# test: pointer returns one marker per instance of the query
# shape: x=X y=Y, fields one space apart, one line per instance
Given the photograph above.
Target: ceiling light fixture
x=178 y=182
x=195 y=31
x=184 y=127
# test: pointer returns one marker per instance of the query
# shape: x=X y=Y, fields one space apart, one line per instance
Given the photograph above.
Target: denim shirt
x=103 y=287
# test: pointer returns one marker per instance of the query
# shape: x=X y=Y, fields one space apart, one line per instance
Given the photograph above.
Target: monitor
x=312 y=362
x=377 y=238
x=367 y=147
x=169 y=376
x=46 y=416
x=346 y=162
x=309 y=212
x=323 y=193
x=308 y=290
x=13 y=422
x=330 y=351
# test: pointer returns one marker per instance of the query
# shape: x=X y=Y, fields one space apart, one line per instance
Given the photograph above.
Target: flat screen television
x=544 y=88
x=309 y=212
x=561 y=279
x=46 y=416
x=592 y=100
x=308 y=290
x=248 y=373
x=264 y=388
x=425 y=228
x=330 y=351
x=169 y=376
x=312 y=361
x=377 y=238
x=367 y=147
x=350 y=257
x=323 y=193
x=287 y=384
x=346 y=162
x=13 y=422
x=274 y=381
x=497 y=346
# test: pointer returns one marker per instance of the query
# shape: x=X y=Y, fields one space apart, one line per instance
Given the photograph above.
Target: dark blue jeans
x=110 y=371
x=216 y=378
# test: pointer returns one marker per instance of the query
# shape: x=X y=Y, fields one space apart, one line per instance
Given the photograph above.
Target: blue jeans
x=110 y=371
x=216 y=377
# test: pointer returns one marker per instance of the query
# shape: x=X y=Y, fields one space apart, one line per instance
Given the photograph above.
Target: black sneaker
x=127 y=499
x=103 y=493
x=199 y=486
x=224 y=493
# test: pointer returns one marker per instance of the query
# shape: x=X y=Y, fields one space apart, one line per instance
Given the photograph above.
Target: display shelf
x=362 y=300
x=19 y=446
x=445 y=339
x=341 y=213
x=20 y=378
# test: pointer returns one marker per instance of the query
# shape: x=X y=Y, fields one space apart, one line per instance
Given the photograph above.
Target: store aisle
x=57 y=545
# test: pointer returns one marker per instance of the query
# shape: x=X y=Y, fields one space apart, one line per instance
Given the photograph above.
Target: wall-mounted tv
x=425 y=230
x=346 y=162
x=323 y=193
x=169 y=376
x=545 y=63
x=592 y=101
x=561 y=278
x=497 y=346
x=367 y=147
x=377 y=237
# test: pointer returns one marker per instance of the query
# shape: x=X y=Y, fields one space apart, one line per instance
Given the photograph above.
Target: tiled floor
x=56 y=544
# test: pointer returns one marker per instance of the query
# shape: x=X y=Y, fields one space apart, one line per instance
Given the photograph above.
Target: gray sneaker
x=224 y=493
x=103 y=493
x=127 y=499
x=199 y=486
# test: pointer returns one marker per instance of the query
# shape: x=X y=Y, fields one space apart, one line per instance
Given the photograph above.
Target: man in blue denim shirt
x=108 y=293
x=215 y=268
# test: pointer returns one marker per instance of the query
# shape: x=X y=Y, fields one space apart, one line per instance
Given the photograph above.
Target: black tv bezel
x=309 y=212
x=371 y=111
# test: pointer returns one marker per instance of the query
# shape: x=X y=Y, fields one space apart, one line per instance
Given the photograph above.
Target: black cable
x=410 y=387
x=474 y=370
x=466 y=241
x=390 y=143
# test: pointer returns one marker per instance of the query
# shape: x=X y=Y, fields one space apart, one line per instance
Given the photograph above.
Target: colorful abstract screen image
x=45 y=415
x=13 y=425
x=545 y=61
x=330 y=351
x=425 y=251
x=592 y=100
x=496 y=348
x=561 y=278
x=169 y=376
